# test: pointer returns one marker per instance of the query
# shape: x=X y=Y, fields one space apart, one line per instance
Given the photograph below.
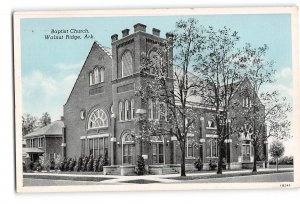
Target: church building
x=100 y=111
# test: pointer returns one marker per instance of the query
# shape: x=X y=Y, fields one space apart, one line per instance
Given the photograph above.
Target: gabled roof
x=54 y=129
x=107 y=50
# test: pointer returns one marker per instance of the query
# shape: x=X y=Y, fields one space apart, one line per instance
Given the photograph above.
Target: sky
x=50 y=67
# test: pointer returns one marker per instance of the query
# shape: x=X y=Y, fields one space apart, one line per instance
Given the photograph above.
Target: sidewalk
x=117 y=179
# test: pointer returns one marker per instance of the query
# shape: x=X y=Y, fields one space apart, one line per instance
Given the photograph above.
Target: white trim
x=228 y=141
x=211 y=135
x=94 y=136
x=202 y=140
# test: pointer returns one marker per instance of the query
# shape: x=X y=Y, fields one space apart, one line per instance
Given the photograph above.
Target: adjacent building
x=45 y=141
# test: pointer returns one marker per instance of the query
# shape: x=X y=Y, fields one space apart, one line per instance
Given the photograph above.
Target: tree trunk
x=254 y=169
x=219 y=171
x=183 y=159
x=277 y=163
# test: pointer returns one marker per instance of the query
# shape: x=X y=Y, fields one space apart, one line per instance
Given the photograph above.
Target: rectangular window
x=190 y=147
x=96 y=146
x=212 y=149
x=82 y=147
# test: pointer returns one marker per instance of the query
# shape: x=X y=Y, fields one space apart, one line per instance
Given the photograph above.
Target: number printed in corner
x=285 y=185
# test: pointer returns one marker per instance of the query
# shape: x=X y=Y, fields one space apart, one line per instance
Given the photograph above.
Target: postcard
x=157 y=99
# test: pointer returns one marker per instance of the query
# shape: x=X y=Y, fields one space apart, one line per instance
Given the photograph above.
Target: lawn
x=225 y=175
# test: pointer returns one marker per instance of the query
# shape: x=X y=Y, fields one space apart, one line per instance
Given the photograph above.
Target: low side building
x=45 y=141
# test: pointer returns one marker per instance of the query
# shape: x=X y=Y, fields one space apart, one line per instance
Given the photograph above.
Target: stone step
x=168 y=170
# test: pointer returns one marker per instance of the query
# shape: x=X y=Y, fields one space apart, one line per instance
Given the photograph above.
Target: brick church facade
x=100 y=111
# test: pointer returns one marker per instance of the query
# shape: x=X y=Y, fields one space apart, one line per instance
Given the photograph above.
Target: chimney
x=114 y=37
x=62 y=118
x=125 y=32
x=156 y=32
x=169 y=35
x=139 y=27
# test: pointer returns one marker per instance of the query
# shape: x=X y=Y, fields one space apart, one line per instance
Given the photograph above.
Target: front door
x=246 y=152
x=158 y=153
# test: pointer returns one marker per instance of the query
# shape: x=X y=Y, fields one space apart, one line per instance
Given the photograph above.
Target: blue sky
x=50 y=67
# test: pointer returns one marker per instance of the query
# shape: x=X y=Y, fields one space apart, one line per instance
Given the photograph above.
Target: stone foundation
x=127 y=170
x=110 y=170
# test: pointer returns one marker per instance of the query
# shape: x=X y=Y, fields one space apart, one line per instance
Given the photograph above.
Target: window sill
x=125 y=121
x=211 y=128
x=98 y=84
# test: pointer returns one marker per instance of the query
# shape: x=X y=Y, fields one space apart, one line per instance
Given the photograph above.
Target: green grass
x=225 y=175
x=141 y=181
x=62 y=177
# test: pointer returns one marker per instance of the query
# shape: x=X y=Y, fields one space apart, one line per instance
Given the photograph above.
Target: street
x=278 y=177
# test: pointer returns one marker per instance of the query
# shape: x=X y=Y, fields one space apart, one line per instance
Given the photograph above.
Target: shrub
x=198 y=164
x=84 y=163
x=37 y=166
x=72 y=164
x=57 y=161
x=90 y=163
x=212 y=165
x=140 y=167
x=224 y=163
x=96 y=164
x=24 y=167
x=52 y=164
x=78 y=164
x=103 y=162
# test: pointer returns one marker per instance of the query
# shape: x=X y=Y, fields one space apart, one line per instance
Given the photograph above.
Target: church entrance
x=157 y=146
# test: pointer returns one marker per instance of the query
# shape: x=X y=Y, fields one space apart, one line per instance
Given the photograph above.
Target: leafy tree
x=169 y=91
x=29 y=123
x=45 y=120
x=221 y=68
x=276 y=151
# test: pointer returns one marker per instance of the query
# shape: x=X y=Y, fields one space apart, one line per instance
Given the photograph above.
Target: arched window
x=102 y=74
x=96 y=75
x=121 y=112
x=127 y=68
x=211 y=124
x=128 y=149
x=150 y=109
x=91 y=79
x=132 y=108
x=156 y=110
x=127 y=110
x=97 y=119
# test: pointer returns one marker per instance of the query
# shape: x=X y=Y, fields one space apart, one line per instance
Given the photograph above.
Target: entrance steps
x=168 y=170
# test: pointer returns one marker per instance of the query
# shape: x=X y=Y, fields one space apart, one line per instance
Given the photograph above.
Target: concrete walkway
x=117 y=179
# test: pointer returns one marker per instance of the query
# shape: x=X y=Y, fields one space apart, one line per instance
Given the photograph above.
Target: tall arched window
x=121 y=112
x=102 y=74
x=91 y=78
x=97 y=119
x=128 y=148
x=127 y=110
x=96 y=74
x=150 y=109
x=127 y=68
x=132 y=108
